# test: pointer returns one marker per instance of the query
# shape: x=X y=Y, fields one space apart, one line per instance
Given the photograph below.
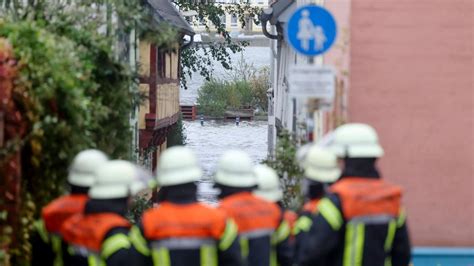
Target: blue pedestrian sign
x=311 y=30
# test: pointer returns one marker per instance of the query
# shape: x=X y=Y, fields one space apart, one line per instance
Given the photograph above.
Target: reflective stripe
x=41 y=229
x=57 y=248
x=182 y=243
x=94 y=260
x=229 y=236
x=401 y=218
x=208 y=256
x=114 y=244
x=392 y=226
x=374 y=219
x=331 y=213
x=139 y=241
x=359 y=248
x=304 y=223
x=348 y=250
x=161 y=257
x=244 y=247
x=258 y=233
x=273 y=257
x=283 y=232
x=354 y=244
x=79 y=251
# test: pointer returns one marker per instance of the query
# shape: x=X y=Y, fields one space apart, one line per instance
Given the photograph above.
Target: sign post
x=311 y=31
x=312 y=81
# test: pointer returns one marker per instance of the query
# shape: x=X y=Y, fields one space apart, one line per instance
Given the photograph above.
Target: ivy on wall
x=73 y=89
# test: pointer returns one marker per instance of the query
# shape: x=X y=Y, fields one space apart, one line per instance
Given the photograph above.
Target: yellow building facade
x=159 y=83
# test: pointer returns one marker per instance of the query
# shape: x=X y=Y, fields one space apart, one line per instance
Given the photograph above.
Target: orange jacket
x=311 y=206
x=369 y=211
x=59 y=210
x=251 y=213
x=192 y=234
x=367 y=197
x=89 y=230
x=170 y=220
x=257 y=220
x=290 y=217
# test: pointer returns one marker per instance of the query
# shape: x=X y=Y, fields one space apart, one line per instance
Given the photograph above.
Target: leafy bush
x=247 y=88
x=212 y=98
x=288 y=170
x=139 y=205
x=51 y=91
x=74 y=95
x=177 y=134
x=260 y=84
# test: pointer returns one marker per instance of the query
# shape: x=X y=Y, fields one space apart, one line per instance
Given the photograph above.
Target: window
x=223 y=20
x=161 y=64
x=233 y=21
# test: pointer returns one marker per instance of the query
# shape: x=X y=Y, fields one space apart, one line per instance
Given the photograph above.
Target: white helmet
x=268 y=183
x=302 y=153
x=83 y=167
x=119 y=179
x=354 y=141
x=178 y=165
x=235 y=170
x=321 y=165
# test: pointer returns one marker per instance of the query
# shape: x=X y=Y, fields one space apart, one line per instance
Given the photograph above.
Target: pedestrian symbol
x=311 y=30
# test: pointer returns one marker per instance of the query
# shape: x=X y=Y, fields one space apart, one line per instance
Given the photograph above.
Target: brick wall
x=412 y=78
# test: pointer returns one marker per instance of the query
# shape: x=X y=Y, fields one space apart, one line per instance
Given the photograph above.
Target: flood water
x=214 y=138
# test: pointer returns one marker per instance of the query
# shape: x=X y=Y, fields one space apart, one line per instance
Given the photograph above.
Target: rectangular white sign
x=312 y=81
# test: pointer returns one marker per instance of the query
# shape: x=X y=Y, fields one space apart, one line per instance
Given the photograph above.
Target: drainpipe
x=265 y=16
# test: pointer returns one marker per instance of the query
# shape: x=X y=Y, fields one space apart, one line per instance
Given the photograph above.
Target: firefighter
x=99 y=235
x=180 y=230
x=46 y=241
x=269 y=189
x=256 y=218
x=320 y=170
x=361 y=221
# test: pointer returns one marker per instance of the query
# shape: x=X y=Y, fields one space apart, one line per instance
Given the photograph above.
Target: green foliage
x=53 y=82
x=260 y=84
x=194 y=61
x=212 y=98
x=217 y=96
x=52 y=92
x=139 y=205
x=177 y=135
x=245 y=87
x=258 y=81
x=288 y=170
x=74 y=94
